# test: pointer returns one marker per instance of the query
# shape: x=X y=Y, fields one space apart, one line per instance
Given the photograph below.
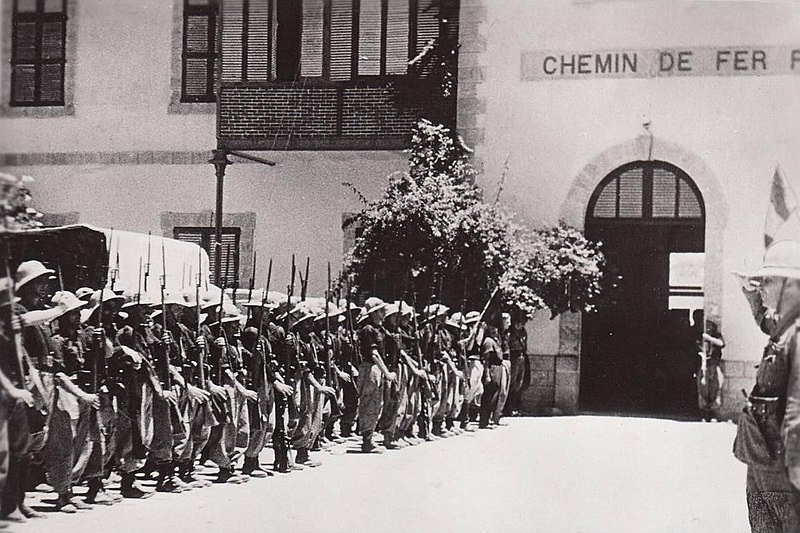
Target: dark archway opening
x=638 y=355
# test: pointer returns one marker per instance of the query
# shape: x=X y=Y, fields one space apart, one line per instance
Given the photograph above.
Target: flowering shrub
x=15 y=198
x=431 y=233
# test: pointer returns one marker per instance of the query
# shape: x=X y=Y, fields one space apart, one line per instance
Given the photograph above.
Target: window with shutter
x=38 y=42
x=332 y=40
x=652 y=190
x=204 y=237
x=199 y=50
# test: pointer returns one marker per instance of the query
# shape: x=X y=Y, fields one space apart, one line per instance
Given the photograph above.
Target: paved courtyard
x=569 y=474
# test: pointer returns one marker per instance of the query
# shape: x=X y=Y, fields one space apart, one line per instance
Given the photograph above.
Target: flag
x=783 y=220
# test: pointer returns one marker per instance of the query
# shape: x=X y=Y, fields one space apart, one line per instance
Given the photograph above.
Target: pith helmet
x=782 y=259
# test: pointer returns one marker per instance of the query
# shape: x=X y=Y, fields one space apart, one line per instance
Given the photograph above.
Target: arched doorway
x=638 y=355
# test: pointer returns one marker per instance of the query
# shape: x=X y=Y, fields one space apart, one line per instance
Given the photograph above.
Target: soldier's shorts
x=773 y=503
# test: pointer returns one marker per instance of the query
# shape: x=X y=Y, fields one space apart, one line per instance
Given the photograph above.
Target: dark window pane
x=196 y=77
x=52 y=76
x=24 y=41
x=23 y=89
x=53 y=40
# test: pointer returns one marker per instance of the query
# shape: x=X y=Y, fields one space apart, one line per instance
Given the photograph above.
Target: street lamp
x=220 y=161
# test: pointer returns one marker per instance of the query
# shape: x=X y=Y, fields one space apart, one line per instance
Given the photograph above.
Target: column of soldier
x=102 y=389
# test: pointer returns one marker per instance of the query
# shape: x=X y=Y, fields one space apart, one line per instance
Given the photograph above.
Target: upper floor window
x=38 y=52
x=334 y=40
x=199 y=50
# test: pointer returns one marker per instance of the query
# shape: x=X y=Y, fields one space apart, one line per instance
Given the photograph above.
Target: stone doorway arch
x=573 y=212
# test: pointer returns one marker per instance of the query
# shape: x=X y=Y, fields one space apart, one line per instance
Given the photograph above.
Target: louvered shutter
x=196 y=77
x=369 y=38
x=311 y=47
x=232 y=30
x=341 y=55
x=397 y=37
x=427 y=23
x=204 y=237
x=260 y=40
x=53 y=6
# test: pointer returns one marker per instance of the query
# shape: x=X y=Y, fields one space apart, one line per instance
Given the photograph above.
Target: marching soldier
x=349 y=362
x=309 y=393
x=226 y=373
x=75 y=406
x=387 y=424
x=373 y=371
x=15 y=400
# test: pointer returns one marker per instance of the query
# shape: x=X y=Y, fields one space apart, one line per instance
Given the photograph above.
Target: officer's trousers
x=773 y=503
x=13 y=492
x=370 y=397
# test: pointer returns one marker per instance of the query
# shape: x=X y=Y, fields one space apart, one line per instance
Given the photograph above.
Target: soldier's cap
x=472 y=317
x=257 y=302
x=404 y=308
x=31 y=270
x=171 y=298
x=4 y=285
x=392 y=309
x=373 y=304
x=108 y=296
x=65 y=302
x=455 y=325
x=228 y=319
x=436 y=310
x=351 y=307
x=781 y=260
x=143 y=299
x=305 y=315
x=335 y=315
x=84 y=293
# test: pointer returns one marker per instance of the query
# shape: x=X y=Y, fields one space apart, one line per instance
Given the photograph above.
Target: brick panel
x=273 y=117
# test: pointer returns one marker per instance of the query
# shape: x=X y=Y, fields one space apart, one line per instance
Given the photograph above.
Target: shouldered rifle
x=252 y=278
x=474 y=332
x=167 y=348
x=328 y=343
x=354 y=342
x=201 y=355
x=288 y=323
x=147 y=264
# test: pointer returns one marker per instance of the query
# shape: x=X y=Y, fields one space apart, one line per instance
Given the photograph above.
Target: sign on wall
x=657 y=63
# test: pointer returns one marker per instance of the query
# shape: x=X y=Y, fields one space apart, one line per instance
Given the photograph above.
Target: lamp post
x=220 y=161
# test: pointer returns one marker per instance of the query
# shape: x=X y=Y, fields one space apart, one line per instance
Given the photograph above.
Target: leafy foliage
x=431 y=234
x=15 y=199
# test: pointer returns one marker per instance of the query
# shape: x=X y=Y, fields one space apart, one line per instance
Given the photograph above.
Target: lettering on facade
x=718 y=61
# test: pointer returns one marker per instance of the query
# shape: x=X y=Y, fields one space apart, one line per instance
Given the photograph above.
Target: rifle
x=197 y=310
x=41 y=404
x=288 y=319
x=147 y=264
x=474 y=332
x=264 y=299
x=168 y=379
x=252 y=278
x=139 y=283
x=16 y=324
x=354 y=342
x=328 y=344
x=304 y=282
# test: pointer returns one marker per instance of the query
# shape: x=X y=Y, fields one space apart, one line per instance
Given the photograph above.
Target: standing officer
x=768 y=436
